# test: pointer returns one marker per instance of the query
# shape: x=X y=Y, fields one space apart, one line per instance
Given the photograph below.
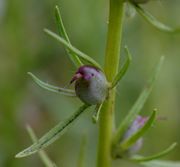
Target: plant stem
x=111 y=68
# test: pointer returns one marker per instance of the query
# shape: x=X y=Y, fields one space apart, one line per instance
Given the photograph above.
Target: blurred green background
x=24 y=47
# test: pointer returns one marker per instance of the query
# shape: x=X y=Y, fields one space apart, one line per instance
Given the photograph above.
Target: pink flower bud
x=135 y=126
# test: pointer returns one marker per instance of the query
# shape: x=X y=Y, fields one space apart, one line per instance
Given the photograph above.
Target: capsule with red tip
x=91 y=85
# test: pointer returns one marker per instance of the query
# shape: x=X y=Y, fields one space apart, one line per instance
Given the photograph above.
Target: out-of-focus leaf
x=155 y=156
x=42 y=154
x=83 y=147
x=136 y=108
x=132 y=139
x=161 y=164
x=62 y=33
x=153 y=21
x=73 y=49
x=52 y=135
x=123 y=70
x=52 y=88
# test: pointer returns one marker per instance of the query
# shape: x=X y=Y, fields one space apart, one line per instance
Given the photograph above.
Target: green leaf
x=42 y=154
x=62 y=33
x=52 y=135
x=156 y=156
x=154 y=22
x=81 y=159
x=60 y=25
x=123 y=70
x=95 y=116
x=132 y=139
x=72 y=48
x=51 y=88
x=161 y=164
x=136 y=108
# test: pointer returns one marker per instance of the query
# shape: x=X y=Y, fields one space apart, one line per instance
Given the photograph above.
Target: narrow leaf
x=156 y=156
x=161 y=164
x=136 y=108
x=95 y=116
x=62 y=33
x=81 y=159
x=132 y=139
x=61 y=29
x=51 y=88
x=72 y=48
x=123 y=70
x=154 y=22
x=42 y=154
x=52 y=135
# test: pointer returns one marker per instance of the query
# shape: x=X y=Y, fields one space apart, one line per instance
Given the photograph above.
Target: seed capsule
x=91 y=85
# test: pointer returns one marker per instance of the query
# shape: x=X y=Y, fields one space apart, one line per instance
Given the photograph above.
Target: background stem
x=111 y=68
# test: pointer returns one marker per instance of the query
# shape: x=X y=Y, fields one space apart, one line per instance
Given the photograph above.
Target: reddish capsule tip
x=90 y=85
x=76 y=77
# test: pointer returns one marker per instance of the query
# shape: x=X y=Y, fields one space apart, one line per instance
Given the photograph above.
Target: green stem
x=111 y=68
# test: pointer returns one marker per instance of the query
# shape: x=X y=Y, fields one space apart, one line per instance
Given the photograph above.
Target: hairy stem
x=111 y=68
